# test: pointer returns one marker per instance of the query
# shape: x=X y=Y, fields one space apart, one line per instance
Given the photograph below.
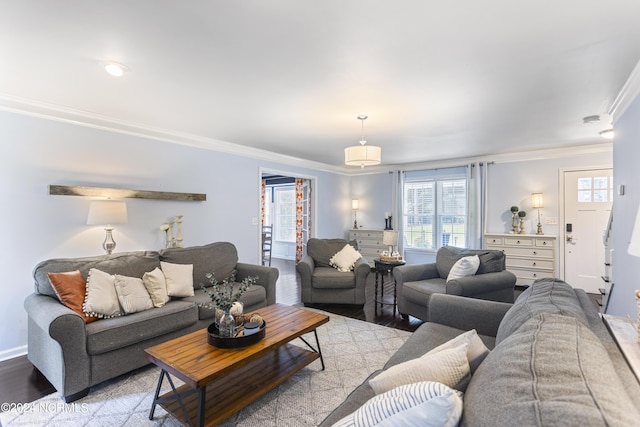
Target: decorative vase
x=227 y=325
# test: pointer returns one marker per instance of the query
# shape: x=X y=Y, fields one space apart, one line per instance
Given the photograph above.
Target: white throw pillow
x=179 y=278
x=101 y=299
x=345 y=259
x=476 y=351
x=465 y=266
x=132 y=294
x=449 y=366
x=427 y=403
x=156 y=287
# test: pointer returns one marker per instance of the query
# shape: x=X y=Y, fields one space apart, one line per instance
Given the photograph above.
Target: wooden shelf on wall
x=122 y=193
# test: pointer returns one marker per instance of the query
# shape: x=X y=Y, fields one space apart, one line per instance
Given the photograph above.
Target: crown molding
x=629 y=92
x=82 y=118
x=64 y=114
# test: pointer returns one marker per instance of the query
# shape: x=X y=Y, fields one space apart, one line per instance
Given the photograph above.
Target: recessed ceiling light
x=115 y=69
x=591 y=119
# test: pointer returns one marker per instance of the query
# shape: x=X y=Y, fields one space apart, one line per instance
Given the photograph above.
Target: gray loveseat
x=415 y=284
x=321 y=283
x=552 y=361
x=74 y=356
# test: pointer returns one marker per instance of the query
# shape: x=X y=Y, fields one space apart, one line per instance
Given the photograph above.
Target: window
x=597 y=189
x=285 y=199
x=435 y=209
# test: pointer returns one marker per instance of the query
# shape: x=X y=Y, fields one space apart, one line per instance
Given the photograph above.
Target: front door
x=588 y=198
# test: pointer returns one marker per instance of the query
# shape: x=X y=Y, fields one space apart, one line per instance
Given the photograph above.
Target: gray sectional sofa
x=552 y=361
x=74 y=356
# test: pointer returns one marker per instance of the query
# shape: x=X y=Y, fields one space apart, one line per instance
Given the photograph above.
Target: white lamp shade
x=634 y=244
x=354 y=204
x=362 y=155
x=389 y=238
x=536 y=200
x=107 y=212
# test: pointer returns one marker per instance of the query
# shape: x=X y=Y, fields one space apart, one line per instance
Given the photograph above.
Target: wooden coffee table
x=220 y=382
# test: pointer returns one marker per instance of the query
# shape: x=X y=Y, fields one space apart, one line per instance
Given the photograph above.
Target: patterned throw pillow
x=428 y=403
x=345 y=259
x=132 y=294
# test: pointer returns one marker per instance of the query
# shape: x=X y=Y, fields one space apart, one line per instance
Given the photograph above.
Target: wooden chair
x=267 y=238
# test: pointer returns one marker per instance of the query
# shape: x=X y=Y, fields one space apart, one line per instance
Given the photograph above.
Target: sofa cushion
x=330 y=278
x=111 y=334
x=420 y=291
x=476 y=350
x=544 y=296
x=448 y=366
x=71 y=288
x=101 y=299
x=465 y=266
x=551 y=371
x=427 y=403
x=179 y=279
x=491 y=261
x=156 y=286
x=219 y=258
x=321 y=250
x=132 y=264
x=345 y=259
x=132 y=294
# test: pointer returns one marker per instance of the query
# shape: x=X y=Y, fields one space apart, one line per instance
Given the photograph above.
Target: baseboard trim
x=13 y=353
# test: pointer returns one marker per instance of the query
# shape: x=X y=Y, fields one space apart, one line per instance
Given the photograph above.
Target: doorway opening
x=286 y=205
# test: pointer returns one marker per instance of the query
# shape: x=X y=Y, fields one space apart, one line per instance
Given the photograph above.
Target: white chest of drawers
x=369 y=242
x=529 y=256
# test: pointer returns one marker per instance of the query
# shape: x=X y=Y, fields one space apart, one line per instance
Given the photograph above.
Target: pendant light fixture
x=362 y=155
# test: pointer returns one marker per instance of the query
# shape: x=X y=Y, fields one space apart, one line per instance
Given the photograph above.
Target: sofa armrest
x=305 y=268
x=58 y=343
x=482 y=283
x=361 y=269
x=267 y=277
x=415 y=272
x=467 y=313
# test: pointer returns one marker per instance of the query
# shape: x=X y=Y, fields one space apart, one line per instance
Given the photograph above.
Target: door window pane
x=285 y=228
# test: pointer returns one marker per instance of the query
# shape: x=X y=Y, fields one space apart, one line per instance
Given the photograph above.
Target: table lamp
x=354 y=207
x=536 y=203
x=107 y=212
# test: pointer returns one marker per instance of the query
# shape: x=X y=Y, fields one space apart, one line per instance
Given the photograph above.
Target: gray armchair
x=321 y=283
x=416 y=283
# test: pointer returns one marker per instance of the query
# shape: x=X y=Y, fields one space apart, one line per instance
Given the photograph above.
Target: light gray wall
x=626 y=268
x=36 y=226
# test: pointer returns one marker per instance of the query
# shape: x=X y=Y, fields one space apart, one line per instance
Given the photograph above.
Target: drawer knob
x=544 y=243
x=534 y=264
x=535 y=275
x=518 y=242
x=535 y=253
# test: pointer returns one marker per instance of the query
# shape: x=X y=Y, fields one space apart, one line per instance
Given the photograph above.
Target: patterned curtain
x=262 y=201
x=299 y=218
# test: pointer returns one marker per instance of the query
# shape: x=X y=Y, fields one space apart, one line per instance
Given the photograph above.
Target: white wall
x=36 y=226
x=626 y=268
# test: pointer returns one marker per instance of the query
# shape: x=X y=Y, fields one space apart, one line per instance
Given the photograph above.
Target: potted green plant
x=223 y=296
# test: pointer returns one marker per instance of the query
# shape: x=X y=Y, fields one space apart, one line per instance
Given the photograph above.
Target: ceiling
x=438 y=79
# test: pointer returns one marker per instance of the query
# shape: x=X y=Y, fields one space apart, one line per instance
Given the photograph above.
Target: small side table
x=384 y=268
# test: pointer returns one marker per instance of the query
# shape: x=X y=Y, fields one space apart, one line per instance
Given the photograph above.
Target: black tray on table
x=214 y=338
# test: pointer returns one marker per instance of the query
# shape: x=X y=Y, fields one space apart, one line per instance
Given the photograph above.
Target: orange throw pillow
x=70 y=287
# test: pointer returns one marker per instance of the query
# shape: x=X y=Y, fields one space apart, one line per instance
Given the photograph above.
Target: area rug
x=352 y=350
